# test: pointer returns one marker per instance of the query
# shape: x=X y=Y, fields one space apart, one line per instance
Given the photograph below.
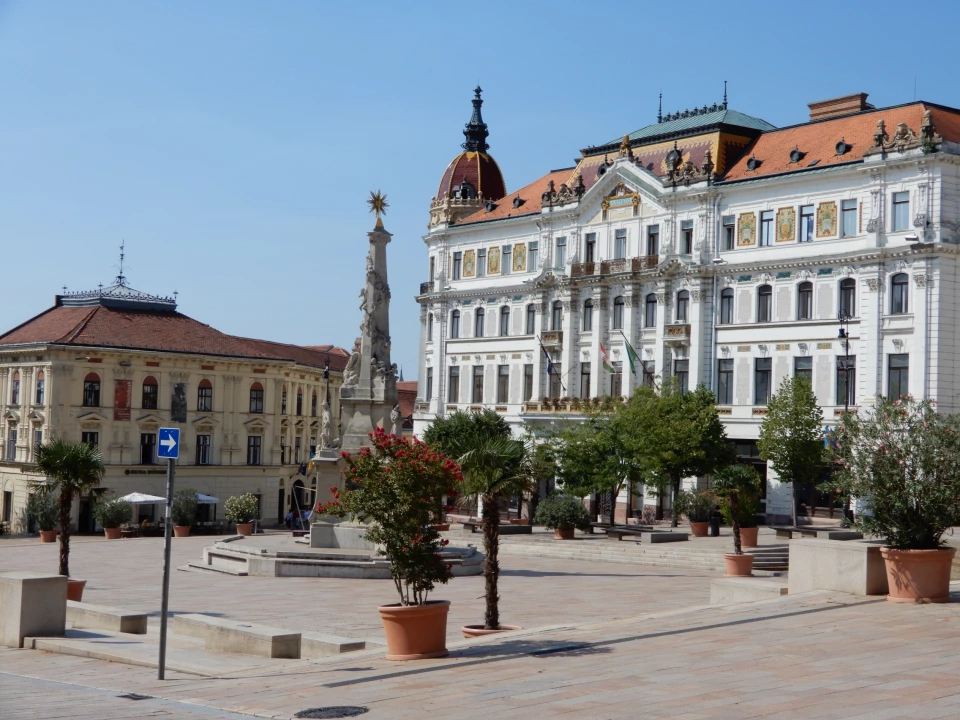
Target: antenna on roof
x=660 y=108
x=120 y=278
x=724 y=94
x=64 y=289
x=175 y=294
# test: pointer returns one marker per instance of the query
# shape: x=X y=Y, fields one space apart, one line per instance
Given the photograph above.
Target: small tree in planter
x=42 y=509
x=903 y=461
x=242 y=510
x=736 y=484
x=563 y=514
x=394 y=487
x=747 y=507
x=698 y=506
x=184 y=511
x=111 y=513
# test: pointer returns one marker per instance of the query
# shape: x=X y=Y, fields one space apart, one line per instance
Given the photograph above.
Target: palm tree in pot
x=43 y=511
x=184 y=511
x=735 y=485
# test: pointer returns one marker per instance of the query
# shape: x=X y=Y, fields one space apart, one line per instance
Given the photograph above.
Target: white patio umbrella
x=142 y=499
x=207 y=499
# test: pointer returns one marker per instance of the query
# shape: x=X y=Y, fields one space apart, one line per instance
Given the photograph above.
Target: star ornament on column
x=378 y=206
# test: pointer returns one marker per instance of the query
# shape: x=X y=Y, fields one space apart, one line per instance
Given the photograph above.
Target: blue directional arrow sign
x=169 y=443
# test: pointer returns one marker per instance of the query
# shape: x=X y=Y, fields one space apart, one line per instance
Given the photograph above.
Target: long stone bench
x=318 y=645
x=505 y=529
x=822 y=533
x=664 y=536
x=84 y=616
x=223 y=635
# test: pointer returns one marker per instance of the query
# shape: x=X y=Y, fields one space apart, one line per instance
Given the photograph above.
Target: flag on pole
x=603 y=359
x=549 y=362
x=631 y=355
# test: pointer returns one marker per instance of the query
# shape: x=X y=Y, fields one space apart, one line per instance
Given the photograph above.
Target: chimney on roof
x=846 y=105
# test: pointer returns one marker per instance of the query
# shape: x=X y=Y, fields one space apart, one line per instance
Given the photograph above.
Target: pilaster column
x=568 y=353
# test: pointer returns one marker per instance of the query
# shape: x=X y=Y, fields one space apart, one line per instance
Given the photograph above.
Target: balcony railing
x=426 y=287
x=554 y=337
x=677 y=332
x=612 y=267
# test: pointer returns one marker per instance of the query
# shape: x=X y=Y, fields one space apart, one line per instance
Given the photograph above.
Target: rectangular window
x=481 y=262
x=15 y=390
x=433 y=268
x=90 y=438
x=616 y=380
x=313 y=445
x=653 y=240
x=766 y=228
x=151 y=394
x=805 y=301
x=91 y=393
x=533 y=256
x=148 y=448
x=205 y=399
x=847 y=380
x=297 y=442
x=585 y=380
x=761 y=381
x=429 y=388
x=686 y=237
x=37 y=440
x=503 y=383
x=12 y=445
x=898 y=379
x=561 y=253
x=806 y=223
x=254 y=443
x=457 y=265
x=507 y=262
x=725 y=381
x=40 y=388
x=619 y=244
x=7 y=505
x=726 y=306
x=803 y=367
x=848 y=226
x=729 y=232
x=531 y=318
x=590 y=248
x=681 y=371
x=203 y=449
x=901 y=211
x=527 y=383
x=256 y=401
x=555 y=388
x=453 y=386
x=477 y=384
x=649 y=370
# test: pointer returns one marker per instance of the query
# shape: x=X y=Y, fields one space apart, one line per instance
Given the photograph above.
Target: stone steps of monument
x=201 y=567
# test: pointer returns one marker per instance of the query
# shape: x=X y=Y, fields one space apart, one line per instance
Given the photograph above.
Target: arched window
x=650 y=310
x=848 y=298
x=430 y=327
x=151 y=393
x=455 y=324
x=283 y=401
x=299 y=401
x=531 y=319
x=504 y=321
x=726 y=306
x=38 y=398
x=683 y=306
x=899 y=301
x=205 y=396
x=618 y=312
x=15 y=389
x=805 y=301
x=478 y=322
x=91 y=390
x=256 y=398
x=557 y=316
x=764 y=303
x=587 y=315
x=313 y=405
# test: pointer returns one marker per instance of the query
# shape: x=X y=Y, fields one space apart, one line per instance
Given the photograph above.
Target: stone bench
x=841 y=565
x=743 y=589
x=663 y=537
x=32 y=604
x=84 y=616
x=619 y=532
x=823 y=533
x=505 y=529
x=221 y=635
x=318 y=645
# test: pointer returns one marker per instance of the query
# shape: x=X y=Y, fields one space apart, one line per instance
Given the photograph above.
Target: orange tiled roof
x=531 y=196
x=818 y=139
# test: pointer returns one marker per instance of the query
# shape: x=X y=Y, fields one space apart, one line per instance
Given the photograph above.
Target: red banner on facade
x=122 y=392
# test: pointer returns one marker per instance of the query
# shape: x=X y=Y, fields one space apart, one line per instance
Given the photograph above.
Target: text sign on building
x=168 y=445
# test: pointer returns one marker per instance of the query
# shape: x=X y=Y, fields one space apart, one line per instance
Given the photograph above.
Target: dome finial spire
x=476 y=130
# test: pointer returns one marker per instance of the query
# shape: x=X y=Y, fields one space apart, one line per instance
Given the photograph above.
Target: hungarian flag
x=631 y=355
x=603 y=359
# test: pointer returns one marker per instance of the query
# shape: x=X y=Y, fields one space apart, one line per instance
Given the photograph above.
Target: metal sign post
x=169 y=448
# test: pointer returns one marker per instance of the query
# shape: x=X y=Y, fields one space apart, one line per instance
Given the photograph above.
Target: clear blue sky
x=232 y=144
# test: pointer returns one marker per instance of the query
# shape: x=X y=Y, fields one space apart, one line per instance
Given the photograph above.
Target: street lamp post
x=844 y=335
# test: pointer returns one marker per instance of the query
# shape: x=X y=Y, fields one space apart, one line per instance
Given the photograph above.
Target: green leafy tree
x=791 y=436
x=561 y=512
x=112 y=512
x=538 y=468
x=184 y=507
x=737 y=485
x=74 y=468
x=676 y=435
x=447 y=433
x=903 y=462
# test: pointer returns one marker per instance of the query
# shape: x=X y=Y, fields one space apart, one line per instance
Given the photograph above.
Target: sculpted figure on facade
x=326 y=428
x=395 y=420
x=351 y=373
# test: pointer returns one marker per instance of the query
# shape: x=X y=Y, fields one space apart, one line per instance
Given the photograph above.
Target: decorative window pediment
x=255 y=427
x=12 y=416
x=622 y=196
x=150 y=422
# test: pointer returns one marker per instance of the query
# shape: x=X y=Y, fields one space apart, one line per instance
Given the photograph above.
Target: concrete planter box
x=849 y=566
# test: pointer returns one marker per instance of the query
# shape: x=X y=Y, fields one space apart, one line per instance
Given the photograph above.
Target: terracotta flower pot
x=918 y=576
x=48 y=536
x=416 y=632
x=520 y=521
x=563 y=534
x=474 y=631
x=111 y=533
x=75 y=589
x=245 y=528
x=181 y=531
x=440 y=527
x=699 y=529
x=748 y=537
x=739 y=565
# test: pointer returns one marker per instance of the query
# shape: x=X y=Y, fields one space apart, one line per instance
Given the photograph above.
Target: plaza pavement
x=818 y=656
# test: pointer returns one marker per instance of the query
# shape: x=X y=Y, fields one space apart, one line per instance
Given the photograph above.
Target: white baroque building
x=723 y=249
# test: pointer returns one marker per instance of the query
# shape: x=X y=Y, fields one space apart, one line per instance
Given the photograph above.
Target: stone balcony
x=426 y=287
x=678 y=333
x=553 y=338
x=552 y=407
x=614 y=267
